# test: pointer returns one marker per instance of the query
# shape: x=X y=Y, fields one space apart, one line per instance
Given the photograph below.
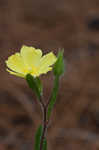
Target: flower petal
x=16 y=74
x=16 y=63
x=46 y=61
x=31 y=56
x=45 y=70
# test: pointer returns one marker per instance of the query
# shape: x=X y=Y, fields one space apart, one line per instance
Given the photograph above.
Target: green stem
x=44 y=127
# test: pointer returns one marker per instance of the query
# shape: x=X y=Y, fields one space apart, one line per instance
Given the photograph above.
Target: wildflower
x=30 y=61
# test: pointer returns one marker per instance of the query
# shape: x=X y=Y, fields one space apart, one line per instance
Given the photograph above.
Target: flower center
x=33 y=71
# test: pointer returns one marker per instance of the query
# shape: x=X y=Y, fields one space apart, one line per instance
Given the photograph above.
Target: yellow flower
x=30 y=61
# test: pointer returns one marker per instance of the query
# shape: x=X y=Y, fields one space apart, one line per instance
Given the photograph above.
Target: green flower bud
x=58 y=68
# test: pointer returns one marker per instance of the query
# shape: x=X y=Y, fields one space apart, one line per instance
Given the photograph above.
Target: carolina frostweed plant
x=30 y=64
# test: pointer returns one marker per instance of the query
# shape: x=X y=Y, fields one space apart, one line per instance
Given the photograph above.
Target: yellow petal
x=16 y=74
x=16 y=63
x=31 y=56
x=46 y=61
x=45 y=70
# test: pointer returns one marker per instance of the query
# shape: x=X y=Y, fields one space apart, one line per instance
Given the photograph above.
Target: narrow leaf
x=45 y=144
x=53 y=96
x=38 y=139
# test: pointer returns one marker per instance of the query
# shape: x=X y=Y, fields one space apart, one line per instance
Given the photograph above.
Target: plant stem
x=42 y=102
x=44 y=126
x=46 y=108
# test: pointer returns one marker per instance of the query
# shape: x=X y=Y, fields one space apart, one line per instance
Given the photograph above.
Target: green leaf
x=58 y=68
x=45 y=144
x=38 y=139
x=34 y=84
x=53 y=96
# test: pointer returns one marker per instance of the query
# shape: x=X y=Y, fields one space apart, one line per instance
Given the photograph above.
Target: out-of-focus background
x=50 y=25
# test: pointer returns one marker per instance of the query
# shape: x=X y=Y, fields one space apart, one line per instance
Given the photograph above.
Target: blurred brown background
x=50 y=25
